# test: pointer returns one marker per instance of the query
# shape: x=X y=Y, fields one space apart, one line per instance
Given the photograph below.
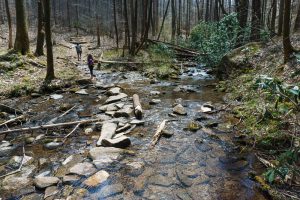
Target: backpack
x=90 y=62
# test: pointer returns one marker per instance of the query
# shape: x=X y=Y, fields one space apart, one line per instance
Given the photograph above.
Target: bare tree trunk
x=163 y=21
x=134 y=13
x=173 y=20
x=68 y=14
x=10 y=44
x=297 y=21
x=287 y=46
x=280 y=18
x=50 y=62
x=179 y=19
x=115 y=24
x=40 y=34
x=22 y=39
x=127 y=32
x=273 y=17
x=256 y=20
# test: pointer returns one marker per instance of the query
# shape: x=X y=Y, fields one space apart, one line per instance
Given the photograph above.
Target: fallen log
x=158 y=133
x=49 y=126
x=12 y=120
x=138 y=111
x=36 y=64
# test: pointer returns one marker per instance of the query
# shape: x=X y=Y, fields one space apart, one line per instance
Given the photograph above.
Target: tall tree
x=115 y=23
x=256 y=20
x=10 y=44
x=173 y=20
x=297 y=21
x=273 y=17
x=242 y=15
x=287 y=46
x=40 y=34
x=50 y=63
x=22 y=39
x=280 y=17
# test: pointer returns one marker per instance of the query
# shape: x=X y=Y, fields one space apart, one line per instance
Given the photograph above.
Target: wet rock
x=141 y=180
x=207 y=108
x=238 y=165
x=135 y=168
x=108 y=107
x=114 y=91
x=193 y=126
x=137 y=122
x=211 y=124
x=120 y=142
x=160 y=180
x=18 y=181
x=80 y=193
x=104 y=87
x=43 y=161
x=126 y=111
x=46 y=181
x=15 y=161
x=33 y=196
x=7 y=150
x=211 y=172
x=53 y=145
x=110 y=113
x=167 y=133
x=83 y=169
x=64 y=107
x=123 y=128
x=104 y=155
x=179 y=109
x=96 y=179
x=172 y=115
x=202 y=146
x=29 y=140
x=183 y=195
x=184 y=179
x=39 y=137
x=107 y=131
x=154 y=93
x=88 y=131
x=116 y=98
x=51 y=191
x=56 y=96
x=82 y=92
x=70 y=179
x=111 y=190
x=35 y=95
x=86 y=81
x=67 y=191
x=103 y=117
x=155 y=101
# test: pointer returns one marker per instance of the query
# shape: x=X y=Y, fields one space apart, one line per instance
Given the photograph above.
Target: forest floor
x=269 y=121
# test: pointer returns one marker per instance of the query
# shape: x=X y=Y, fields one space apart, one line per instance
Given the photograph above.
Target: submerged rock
x=83 y=169
x=96 y=179
x=82 y=92
x=46 y=181
x=155 y=101
x=51 y=191
x=69 y=179
x=53 y=145
x=179 y=109
x=111 y=190
x=114 y=91
x=154 y=93
x=104 y=155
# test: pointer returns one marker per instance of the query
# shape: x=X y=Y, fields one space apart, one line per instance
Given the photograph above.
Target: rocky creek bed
x=195 y=158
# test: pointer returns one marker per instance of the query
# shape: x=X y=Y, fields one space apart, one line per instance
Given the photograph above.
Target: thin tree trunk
x=287 y=46
x=256 y=20
x=68 y=14
x=127 y=32
x=280 y=18
x=40 y=34
x=273 y=17
x=115 y=24
x=48 y=34
x=22 y=39
x=163 y=21
x=10 y=44
x=173 y=20
x=297 y=21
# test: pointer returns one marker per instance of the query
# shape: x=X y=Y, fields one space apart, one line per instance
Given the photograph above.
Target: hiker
x=78 y=50
x=90 y=62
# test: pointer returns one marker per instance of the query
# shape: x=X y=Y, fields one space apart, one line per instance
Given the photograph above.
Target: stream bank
x=194 y=163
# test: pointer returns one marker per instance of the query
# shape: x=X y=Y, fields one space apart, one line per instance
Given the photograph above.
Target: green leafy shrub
x=215 y=39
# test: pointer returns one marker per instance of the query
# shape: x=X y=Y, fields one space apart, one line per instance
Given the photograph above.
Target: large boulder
x=238 y=59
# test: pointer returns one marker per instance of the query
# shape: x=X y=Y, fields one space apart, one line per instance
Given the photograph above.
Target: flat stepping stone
x=116 y=98
x=46 y=181
x=96 y=179
x=120 y=142
x=83 y=169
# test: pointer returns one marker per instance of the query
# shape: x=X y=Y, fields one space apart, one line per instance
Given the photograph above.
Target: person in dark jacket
x=78 y=51
x=90 y=62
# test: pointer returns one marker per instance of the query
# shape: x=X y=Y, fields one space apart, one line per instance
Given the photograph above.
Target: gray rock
x=46 y=181
x=116 y=98
x=15 y=161
x=123 y=128
x=120 y=142
x=7 y=150
x=96 y=179
x=103 y=156
x=179 y=109
x=53 y=145
x=69 y=179
x=126 y=111
x=184 y=179
x=82 y=92
x=107 y=131
x=137 y=122
x=83 y=169
x=111 y=190
x=114 y=91
x=51 y=191
x=56 y=96
x=160 y=180
x=167 y=133
x=154 y=93
x=155 y=101
x=108 y=107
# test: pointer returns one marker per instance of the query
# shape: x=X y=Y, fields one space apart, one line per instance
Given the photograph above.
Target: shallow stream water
x=188 y=165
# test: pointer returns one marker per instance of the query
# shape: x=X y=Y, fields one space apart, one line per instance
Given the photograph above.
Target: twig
x=56 y=118
x=11 y=120
x=74 y=129
x=265 y=162
x=20 y=167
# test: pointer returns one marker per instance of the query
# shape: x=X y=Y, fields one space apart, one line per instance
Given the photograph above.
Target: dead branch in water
x=158 y=132
x=20 y=167
x=12 y=120
x=49 y=126
x=65 y=113
x=74 y=129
